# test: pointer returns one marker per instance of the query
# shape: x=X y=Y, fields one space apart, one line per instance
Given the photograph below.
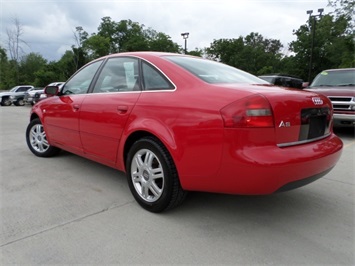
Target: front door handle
x=76 y=107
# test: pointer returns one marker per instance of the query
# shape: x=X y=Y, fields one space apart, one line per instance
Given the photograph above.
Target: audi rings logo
x=317 y=100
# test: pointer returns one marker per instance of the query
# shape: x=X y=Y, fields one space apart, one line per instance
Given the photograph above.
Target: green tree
x=131 y=36
x=225 y=50
x=125 y=36
x=15 y=45
x=4 y=70
x=253 y=53
x=344 y=8
x=44 y=77
x=333 y=46
x=115 y=37
x=66 y=66
x=80 y=56
x=30 y=64
x=196 y=52
x=158 y=41
x=110 y=29
x=97 y=46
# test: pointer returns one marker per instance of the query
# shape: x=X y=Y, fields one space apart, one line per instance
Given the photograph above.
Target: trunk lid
x=299 y=116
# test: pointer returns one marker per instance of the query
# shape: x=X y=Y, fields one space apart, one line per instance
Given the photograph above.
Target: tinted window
x=118 y=74
x=154 y=80
x=22 y=89
x=214 y=72
x=19 y=89
x=335 y=78
x=81 y=81
x=268 y=79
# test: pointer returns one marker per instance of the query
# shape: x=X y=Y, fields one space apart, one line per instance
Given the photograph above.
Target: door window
x=119 y=74
x=81 y=81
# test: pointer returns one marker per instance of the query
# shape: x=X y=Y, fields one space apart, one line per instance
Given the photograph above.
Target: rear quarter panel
x=193 y=136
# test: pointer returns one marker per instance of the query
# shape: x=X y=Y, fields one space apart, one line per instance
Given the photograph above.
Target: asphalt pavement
x=68 y=210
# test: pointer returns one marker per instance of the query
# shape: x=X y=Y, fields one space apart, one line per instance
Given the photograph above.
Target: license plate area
x=314 y=123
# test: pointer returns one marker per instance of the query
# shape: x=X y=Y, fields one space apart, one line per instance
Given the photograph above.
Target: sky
x=48 y=25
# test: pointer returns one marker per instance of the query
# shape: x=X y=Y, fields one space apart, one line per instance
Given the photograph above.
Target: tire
x=19 y=102
x=6 y=102
x=37 y=141
x=152 y=176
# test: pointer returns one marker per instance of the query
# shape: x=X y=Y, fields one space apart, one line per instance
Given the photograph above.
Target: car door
x=61 y=114
x=105 y=111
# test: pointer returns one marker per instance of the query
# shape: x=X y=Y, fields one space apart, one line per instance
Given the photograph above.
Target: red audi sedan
x=176 y=123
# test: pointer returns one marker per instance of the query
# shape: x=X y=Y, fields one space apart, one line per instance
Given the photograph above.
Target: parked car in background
x=284 y=80
x=339 y=86
x=40 y=95
x=177 y=123
x=29 y=94
x=14 y=96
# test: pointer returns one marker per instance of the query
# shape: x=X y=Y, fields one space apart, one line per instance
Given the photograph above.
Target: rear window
x=214 y=72
x=268 y=79
x=335 y=78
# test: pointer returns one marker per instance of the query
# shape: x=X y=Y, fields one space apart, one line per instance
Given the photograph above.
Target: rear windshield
x=214 y=72
x=335 y=78
x=268 y=79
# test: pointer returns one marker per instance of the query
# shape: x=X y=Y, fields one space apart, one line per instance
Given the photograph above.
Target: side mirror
x=51 y=90
x=305 y=84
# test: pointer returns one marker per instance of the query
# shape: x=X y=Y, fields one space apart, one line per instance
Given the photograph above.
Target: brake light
x=252 y=111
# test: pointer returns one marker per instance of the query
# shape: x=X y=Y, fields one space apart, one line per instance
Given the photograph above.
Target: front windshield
x=214 y=72
x=14 y=89
x=335 y=78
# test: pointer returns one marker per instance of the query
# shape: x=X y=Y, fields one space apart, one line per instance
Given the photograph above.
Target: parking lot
x=69 y=210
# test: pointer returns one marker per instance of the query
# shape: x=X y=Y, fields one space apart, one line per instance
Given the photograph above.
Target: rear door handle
x=122 y=109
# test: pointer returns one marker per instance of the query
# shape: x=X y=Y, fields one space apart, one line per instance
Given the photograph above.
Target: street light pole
x=312 y=23
x=185 y=35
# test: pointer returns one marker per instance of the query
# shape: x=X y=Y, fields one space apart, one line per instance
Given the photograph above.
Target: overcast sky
x=48 y=25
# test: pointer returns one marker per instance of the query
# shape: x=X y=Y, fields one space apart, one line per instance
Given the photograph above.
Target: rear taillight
x=252 y=111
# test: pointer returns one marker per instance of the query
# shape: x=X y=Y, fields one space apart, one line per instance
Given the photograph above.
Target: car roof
x=142 y=54
x=279 y=75
x=339 y=69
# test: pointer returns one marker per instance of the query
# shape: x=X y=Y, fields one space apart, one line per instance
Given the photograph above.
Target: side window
x=80 y=83
x=22 y=89
x=154 y=80
x=118 y=75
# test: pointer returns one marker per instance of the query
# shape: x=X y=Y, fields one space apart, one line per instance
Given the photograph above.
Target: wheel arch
x=34 y=116
x=18 y=100
x=136 y=135
x=142 y=128
x=4 y=98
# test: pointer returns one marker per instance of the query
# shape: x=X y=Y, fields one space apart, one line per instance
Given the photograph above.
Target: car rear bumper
x=268 y=169
x=302 y=182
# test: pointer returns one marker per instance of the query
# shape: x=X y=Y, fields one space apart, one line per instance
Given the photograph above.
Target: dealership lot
x=69 y=210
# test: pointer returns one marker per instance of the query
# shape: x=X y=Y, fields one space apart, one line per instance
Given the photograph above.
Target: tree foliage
x=345 y=9
x=126 y=36
x=29 y=65
x=253 y=53
x=333 y=47
x=5 y=70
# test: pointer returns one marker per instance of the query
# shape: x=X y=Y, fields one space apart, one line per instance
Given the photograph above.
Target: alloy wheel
x=147 y=175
